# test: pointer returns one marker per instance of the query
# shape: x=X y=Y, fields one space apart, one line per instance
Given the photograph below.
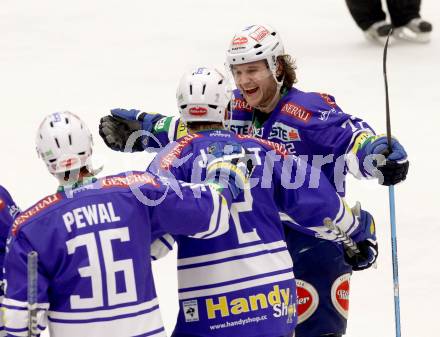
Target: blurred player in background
x=93 y=241
x=8 y=212
x=404 y=15
x=308 y=124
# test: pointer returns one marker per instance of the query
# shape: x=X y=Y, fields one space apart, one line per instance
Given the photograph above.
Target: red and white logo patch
x=167 y=161
x=308 y=300
x=259 y=34
x=2 y=204
x=34 y=210
x=328 y=100
x=239 y=40
x=129 y=180
x=296 y=111
x=241 y=104
x=69 y=162
x=341 y=294
x=198 y=111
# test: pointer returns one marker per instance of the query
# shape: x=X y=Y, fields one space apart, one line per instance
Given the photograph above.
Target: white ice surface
x=90 y=56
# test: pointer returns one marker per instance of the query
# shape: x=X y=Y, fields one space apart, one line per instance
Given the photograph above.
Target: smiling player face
x=256 y=82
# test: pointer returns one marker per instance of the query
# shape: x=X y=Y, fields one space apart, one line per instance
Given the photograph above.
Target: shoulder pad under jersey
x=311 y=109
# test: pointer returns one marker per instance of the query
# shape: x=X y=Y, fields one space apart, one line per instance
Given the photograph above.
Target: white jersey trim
x=123 y=327
x=230 y=253
x=103 y=313
x=237 y=286
x=21 y=304
x=219 y=222
x=235 y=269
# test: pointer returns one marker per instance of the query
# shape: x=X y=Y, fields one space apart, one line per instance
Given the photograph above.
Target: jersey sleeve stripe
x=161 y=247
x=286 y=217
x=124 y=326
x=156 y=333
x=222 y=222
x=89 y=314
x=166 y=243
x=23 y=333
x=219 y=222
x=102 y=319
x=169 y=238
x=347 y=222
x=23 y=305
x=16 y=321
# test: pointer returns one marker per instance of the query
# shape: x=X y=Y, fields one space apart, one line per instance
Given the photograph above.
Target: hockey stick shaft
x=32 y=292
x=392 y=202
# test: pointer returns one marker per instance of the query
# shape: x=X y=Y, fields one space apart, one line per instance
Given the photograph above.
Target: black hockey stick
x=391 y=199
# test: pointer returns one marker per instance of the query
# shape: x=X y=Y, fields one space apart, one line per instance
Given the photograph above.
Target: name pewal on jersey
x=93 y=244
x=241 y=283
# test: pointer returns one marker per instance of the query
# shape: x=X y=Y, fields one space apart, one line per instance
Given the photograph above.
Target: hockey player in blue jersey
x=241 y=283
x=93 y=239
x=8 y=212
x=308 y=124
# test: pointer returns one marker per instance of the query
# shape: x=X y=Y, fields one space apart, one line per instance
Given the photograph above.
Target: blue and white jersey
x=93 y=244
x=313 y=126
x=241 y=283
x=8 y=212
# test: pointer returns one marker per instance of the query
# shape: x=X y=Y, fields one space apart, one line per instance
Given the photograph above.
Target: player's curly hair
x=289 y=73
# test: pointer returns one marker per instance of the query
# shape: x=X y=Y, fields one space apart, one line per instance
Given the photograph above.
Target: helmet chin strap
x=78 y=175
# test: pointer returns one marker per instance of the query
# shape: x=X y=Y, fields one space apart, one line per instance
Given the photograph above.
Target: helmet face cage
x=256 y=43
x=64 y=142
x=202 y=96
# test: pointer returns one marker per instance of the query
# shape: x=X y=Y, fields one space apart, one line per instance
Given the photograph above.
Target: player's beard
x=269 y=97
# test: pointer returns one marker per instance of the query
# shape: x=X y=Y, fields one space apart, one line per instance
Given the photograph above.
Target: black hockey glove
x=393 y=172
x=115 y=133
x=394 y=168
x=367 y=256
x=365 y=239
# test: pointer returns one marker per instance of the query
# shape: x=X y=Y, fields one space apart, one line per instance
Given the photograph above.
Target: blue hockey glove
x=366 y=242
x=116 y=129
x=395 y=167
x=124 y=114
x=230 y=166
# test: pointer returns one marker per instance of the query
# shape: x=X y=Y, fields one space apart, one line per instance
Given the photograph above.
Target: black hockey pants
x=367 y=12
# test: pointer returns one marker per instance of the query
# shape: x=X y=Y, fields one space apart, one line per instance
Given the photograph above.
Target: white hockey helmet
x=255 y=43
x=203 y=95
x=64 y=142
